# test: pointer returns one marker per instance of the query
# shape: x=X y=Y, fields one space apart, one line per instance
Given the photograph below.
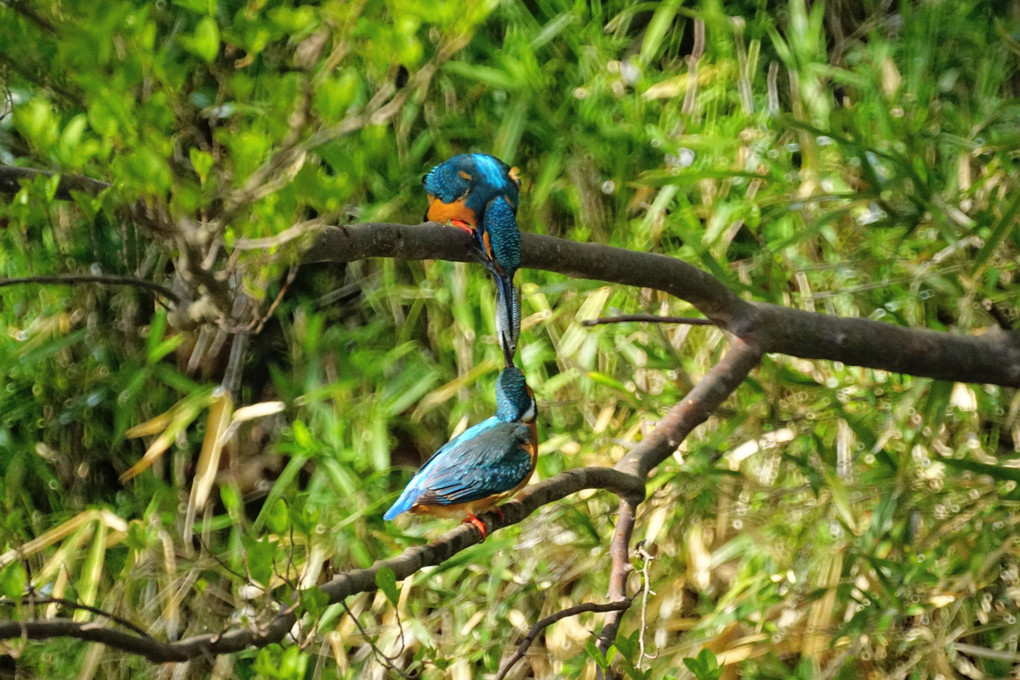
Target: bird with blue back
x=480 y=193
x=460 y=188
x=480 y=467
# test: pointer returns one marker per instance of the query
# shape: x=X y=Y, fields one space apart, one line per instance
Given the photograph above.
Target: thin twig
x=645 y=591
x=102 y=279
x=648 y=318
x=385 y=660
x=257 y=323
x=31 y=600
x=541 y=625
x=11 y=176
x=289 y=234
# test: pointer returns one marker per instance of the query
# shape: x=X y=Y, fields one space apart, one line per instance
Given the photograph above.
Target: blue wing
x=485 y=460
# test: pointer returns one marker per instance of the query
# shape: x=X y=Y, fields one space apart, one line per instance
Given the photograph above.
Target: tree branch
x=103 y=279
x=31 y=600
x=619 y=552
x=549 y=620
x=647 y=318
x=990 y=358
x=710 y=392
x=674 y=427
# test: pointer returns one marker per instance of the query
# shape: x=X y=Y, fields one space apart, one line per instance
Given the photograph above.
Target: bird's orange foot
x=498 y=511
x=460 y=224
x=477 y=524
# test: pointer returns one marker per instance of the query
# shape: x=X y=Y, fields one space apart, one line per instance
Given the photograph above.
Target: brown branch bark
x=990 y=358
x=619 y=553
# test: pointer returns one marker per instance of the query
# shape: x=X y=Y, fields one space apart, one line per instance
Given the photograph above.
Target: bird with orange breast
x=479 y=193
x=480 y=467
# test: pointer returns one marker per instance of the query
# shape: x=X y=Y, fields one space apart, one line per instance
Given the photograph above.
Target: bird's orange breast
x=447 y=212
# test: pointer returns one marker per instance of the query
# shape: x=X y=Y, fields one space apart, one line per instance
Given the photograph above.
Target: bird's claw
x=477 y=524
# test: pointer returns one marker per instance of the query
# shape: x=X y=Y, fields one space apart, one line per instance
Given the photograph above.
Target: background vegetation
x=837 y=522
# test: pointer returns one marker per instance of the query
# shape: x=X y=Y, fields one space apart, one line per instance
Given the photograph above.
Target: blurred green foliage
x=833 y=522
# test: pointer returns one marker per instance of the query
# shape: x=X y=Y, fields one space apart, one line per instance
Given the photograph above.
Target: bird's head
x=515 y=402
x=450 y=180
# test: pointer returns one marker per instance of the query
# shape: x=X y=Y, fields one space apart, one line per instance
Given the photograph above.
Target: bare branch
x=10 y=177
x=383 y=659
x=990 y=358
x=549 y=620
x=619 y=551
x=648 y=318
x=32 y=601
x=102 y=279
x=695 y=409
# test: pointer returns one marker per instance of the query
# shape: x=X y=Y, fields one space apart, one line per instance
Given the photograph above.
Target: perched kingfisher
x=460 y=188
x=483 y=465
x=479 y=193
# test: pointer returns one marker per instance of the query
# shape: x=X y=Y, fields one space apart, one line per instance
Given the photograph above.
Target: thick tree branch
x=990 y=358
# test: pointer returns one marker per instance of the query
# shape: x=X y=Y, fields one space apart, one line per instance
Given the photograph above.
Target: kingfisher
x=479 y=193
x=460 y=188
x=483 y=465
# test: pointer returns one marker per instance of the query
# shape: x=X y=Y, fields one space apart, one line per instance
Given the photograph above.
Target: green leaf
x=13 y=581
x=259 y=555
x=206 y=41
x=1002 y=474
x=314 y=601
x=387 y=582
x=278 y=520
x=202 y=161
